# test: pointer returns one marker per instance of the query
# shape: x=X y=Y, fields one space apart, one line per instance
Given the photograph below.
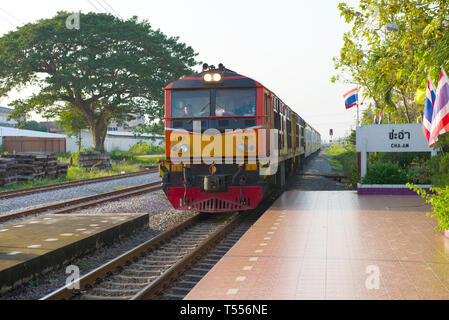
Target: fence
x=33 y=144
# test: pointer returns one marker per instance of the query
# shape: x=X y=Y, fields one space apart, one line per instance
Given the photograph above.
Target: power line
x=93 y=5
x=12 y=16
x=8 y=21
x=112 y=9
x=103 y=6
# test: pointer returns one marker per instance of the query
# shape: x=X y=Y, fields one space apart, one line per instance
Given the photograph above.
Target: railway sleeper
x=100 y=297
x=133 y=272
x=116 y=284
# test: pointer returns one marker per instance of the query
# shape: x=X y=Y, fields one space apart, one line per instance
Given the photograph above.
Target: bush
x=439 y=166
x=144 y=148
x=439 y=199
x=385 y=173
x=404 y=159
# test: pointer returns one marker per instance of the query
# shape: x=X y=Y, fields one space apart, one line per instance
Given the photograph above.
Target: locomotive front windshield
x=190 y=103
x=228 y=103
x=235 y=102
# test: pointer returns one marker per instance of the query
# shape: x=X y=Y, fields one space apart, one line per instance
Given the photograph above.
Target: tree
x=32 y=125
x=391 y=48
x=107 y=70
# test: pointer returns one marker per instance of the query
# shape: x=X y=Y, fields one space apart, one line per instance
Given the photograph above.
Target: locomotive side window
x=190 y=103
x=235 y=102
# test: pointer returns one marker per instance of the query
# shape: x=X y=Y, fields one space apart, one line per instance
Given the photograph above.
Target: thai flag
x=440 y=116
x=380 y=117
x=428 y=109
x=351 y=98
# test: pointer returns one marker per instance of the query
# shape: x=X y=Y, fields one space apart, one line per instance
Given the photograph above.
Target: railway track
x=86 y=202
x=71 y=184
x=147 y=270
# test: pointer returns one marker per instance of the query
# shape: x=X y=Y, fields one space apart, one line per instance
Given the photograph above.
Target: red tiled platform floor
x=335 y=245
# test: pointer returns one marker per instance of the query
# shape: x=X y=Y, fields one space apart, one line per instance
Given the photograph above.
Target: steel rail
x=154 y=288
x=85 y=202
x=70 y=184
x=126 y=260
x=106 y=270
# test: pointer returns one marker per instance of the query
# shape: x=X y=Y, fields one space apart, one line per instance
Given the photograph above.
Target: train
x=230 y=141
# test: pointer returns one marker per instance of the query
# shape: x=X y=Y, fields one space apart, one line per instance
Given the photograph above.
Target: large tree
x=108 y=69
x=392 y=47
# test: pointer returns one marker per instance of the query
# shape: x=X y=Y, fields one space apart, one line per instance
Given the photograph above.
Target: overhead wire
x=103 y=6
x=112 y=9
x=15 y=18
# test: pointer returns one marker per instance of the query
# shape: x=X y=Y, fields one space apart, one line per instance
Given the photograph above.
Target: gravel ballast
x=54 y=280
x=14 y=205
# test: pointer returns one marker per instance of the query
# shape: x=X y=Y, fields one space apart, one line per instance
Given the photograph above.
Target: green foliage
x=439 y=199
x=1 y=148
x=109 y=69
x=142 y=148
x=385 y=173
x=72 y=122
x=32 y=125
x=439 y=166
x=404 y=159
x=390 y=50
x=352 y=138
x=343 y=158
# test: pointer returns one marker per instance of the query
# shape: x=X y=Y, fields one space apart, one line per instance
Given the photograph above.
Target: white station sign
x=391 y=138
x=406 y=137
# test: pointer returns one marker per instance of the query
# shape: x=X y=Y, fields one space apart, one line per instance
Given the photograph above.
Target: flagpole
x=358 y=119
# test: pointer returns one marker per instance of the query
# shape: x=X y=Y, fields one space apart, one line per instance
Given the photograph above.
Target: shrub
x=404 y=159
x=439 y=199
x=144 y=148
x=385 y=173
x=439 y=166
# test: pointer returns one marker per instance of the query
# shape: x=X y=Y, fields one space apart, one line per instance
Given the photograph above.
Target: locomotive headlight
x=184 y=148
x=212 y=77
x=251 y=147
x=217 y=77
x=241 y=147
x=208 y=77
x=175 y=148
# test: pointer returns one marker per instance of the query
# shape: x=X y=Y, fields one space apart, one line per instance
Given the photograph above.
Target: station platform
x=334 y=245
x=40 y=244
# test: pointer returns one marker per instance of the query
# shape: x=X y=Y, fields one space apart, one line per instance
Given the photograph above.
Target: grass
x=76 y=173
x=343 y=159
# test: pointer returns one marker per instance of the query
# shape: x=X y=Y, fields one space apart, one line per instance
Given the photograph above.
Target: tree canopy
x=108 y=69
x=392 y=48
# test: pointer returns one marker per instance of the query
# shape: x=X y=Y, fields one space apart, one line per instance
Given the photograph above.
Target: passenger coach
x=222 y=153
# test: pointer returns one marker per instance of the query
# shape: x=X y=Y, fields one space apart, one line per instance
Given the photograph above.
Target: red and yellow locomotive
x=229 y=141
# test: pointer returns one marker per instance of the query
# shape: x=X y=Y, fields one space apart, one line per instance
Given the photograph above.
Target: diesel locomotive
x=229 y=141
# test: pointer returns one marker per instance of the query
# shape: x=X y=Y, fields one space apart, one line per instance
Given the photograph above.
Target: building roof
x=14 y=132
x=3 y=109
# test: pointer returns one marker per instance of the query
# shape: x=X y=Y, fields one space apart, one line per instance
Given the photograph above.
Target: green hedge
x=439 y=199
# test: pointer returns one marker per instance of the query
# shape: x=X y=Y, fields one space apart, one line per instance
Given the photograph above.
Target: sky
x=287 y=45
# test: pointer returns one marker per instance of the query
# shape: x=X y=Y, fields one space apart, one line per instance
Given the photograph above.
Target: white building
x=4 y=114
x=119 y=140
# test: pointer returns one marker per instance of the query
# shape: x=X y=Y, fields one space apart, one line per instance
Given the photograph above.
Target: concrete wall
x=113 y=141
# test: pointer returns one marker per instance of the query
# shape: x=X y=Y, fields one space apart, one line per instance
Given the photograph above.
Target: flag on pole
x=375 y=119
x=429 y=104
x=380 y=117
x=351 y=98
x=440 y=116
